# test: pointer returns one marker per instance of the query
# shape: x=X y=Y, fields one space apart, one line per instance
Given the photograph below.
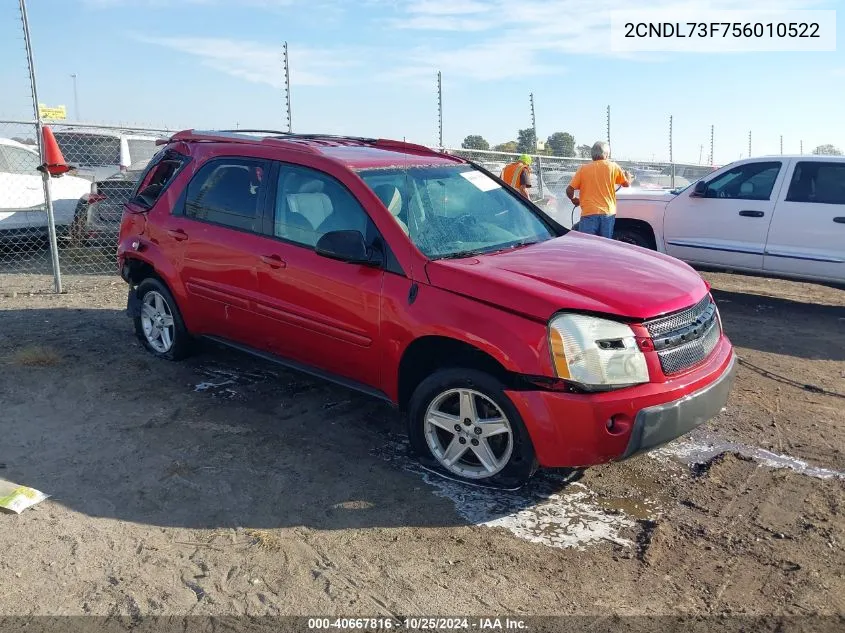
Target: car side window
x=817 y=182
x=156 y=178
x=20 y=161
x=230 y=192
x=751 y=181
x=310 y=203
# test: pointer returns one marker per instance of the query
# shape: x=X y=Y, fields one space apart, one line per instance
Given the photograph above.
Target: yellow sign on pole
x=56 y=113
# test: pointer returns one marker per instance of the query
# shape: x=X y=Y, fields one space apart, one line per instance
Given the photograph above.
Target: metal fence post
x=540 y=175
x=45 y=176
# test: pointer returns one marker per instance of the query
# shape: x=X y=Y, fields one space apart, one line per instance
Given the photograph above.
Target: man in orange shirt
x=596 y=182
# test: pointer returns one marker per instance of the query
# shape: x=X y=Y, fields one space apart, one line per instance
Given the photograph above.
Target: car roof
x=382 y=158
x=356 y=153
x=13 y=143
x=109 y=133
x=795 y=157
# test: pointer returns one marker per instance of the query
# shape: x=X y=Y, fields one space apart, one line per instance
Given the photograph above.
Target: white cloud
x=482 y=40
x=261 y=63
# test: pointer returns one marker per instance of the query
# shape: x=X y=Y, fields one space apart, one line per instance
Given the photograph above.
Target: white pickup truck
x=777 y=215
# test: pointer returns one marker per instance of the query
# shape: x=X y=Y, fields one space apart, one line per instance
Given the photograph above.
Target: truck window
x=751 y=181
x=89 y=150
x=817 y=182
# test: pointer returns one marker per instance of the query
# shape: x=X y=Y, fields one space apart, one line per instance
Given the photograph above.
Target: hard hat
x=525 y=158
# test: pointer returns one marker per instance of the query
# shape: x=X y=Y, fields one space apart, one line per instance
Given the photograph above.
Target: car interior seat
x=391 y=198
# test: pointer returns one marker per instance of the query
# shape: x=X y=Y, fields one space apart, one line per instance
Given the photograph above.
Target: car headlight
x=598 y=354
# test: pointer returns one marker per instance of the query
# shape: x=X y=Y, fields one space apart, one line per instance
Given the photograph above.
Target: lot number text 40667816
x=417 y=624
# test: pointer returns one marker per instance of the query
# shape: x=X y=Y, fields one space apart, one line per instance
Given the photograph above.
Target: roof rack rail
x=250 y=131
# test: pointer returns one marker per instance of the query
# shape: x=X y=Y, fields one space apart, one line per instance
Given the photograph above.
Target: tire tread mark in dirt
x=647 y=528
x=332 y=572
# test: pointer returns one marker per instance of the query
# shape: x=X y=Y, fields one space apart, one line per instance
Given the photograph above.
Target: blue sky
x=368 y=67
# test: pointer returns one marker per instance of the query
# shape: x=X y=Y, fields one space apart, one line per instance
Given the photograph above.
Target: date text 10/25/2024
x=417 y=624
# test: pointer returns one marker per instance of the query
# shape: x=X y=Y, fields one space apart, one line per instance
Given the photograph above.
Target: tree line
x=563 y=144
x=558 y=144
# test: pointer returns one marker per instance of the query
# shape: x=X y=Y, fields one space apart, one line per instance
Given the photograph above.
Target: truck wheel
x=464 y=425
x=159 y=325
x=634 y=236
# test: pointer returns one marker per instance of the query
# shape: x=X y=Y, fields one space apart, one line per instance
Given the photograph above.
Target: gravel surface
x=227 y=485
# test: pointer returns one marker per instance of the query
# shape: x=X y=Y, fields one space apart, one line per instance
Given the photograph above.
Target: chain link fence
x=108 y=160
x=87 y=201
x=552 y=174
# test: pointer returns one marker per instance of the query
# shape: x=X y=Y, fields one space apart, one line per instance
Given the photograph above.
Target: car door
x=317 y=311
x=807 y=234
x=21 y=190
x=216 y=240
x=727 y=224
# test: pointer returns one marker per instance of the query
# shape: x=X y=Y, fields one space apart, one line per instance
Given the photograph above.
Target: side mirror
x=347 y=246
x=700 y=189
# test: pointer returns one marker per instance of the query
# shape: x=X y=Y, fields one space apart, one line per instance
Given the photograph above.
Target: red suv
x=424 y=280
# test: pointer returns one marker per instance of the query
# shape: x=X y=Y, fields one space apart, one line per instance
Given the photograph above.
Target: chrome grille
x=678 y=320
x=688 y=354
x=687 y=337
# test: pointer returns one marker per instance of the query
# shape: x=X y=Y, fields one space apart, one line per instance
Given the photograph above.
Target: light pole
x=75 y=99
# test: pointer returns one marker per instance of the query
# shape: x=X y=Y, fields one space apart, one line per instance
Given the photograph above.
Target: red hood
x=575 y=272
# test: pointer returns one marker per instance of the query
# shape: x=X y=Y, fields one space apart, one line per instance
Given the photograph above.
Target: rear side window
x=228 y=191
x=140 y=150
x=14 y=160
x=157 y=177
x=89 y=150
x=817 y=182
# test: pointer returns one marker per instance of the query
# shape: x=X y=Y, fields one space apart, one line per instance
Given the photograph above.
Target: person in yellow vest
x=518 y=174
x=596 y=183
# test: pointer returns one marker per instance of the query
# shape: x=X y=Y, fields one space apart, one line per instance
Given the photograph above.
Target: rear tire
x=159 y=325
x=462 y=424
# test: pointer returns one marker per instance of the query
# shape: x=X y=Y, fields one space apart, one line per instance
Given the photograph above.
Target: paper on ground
x=18 y=498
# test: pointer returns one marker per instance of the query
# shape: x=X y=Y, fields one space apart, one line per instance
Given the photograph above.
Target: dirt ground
x=226 y=485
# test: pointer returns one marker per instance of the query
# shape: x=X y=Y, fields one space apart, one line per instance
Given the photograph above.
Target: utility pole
x=700 y=151
x=536 y=146
x=671 y=156
x=45 y=175
x=802 y=147
x=608 y=127
x=781 y=144
x=749 y=143
x=440 y=108
x=712 y=159
x=75 y=99
x=287 y=86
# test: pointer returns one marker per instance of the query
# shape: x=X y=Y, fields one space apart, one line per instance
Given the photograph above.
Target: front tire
x=159 y=325
x=463 y=424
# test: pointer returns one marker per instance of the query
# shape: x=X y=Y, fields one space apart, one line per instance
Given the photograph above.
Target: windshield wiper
x=490 y=251
x=462 y=254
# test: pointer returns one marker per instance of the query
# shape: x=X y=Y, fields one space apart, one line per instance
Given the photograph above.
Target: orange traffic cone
x=55 y=164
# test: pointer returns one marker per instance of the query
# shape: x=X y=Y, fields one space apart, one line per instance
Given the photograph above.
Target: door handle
x=752 y=214
x=177 y=234
x=839 y=220
x=273 y=261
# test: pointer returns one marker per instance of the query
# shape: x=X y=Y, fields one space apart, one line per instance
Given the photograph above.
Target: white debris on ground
x=692 y=451
x=549 y=510
x=568 y=519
